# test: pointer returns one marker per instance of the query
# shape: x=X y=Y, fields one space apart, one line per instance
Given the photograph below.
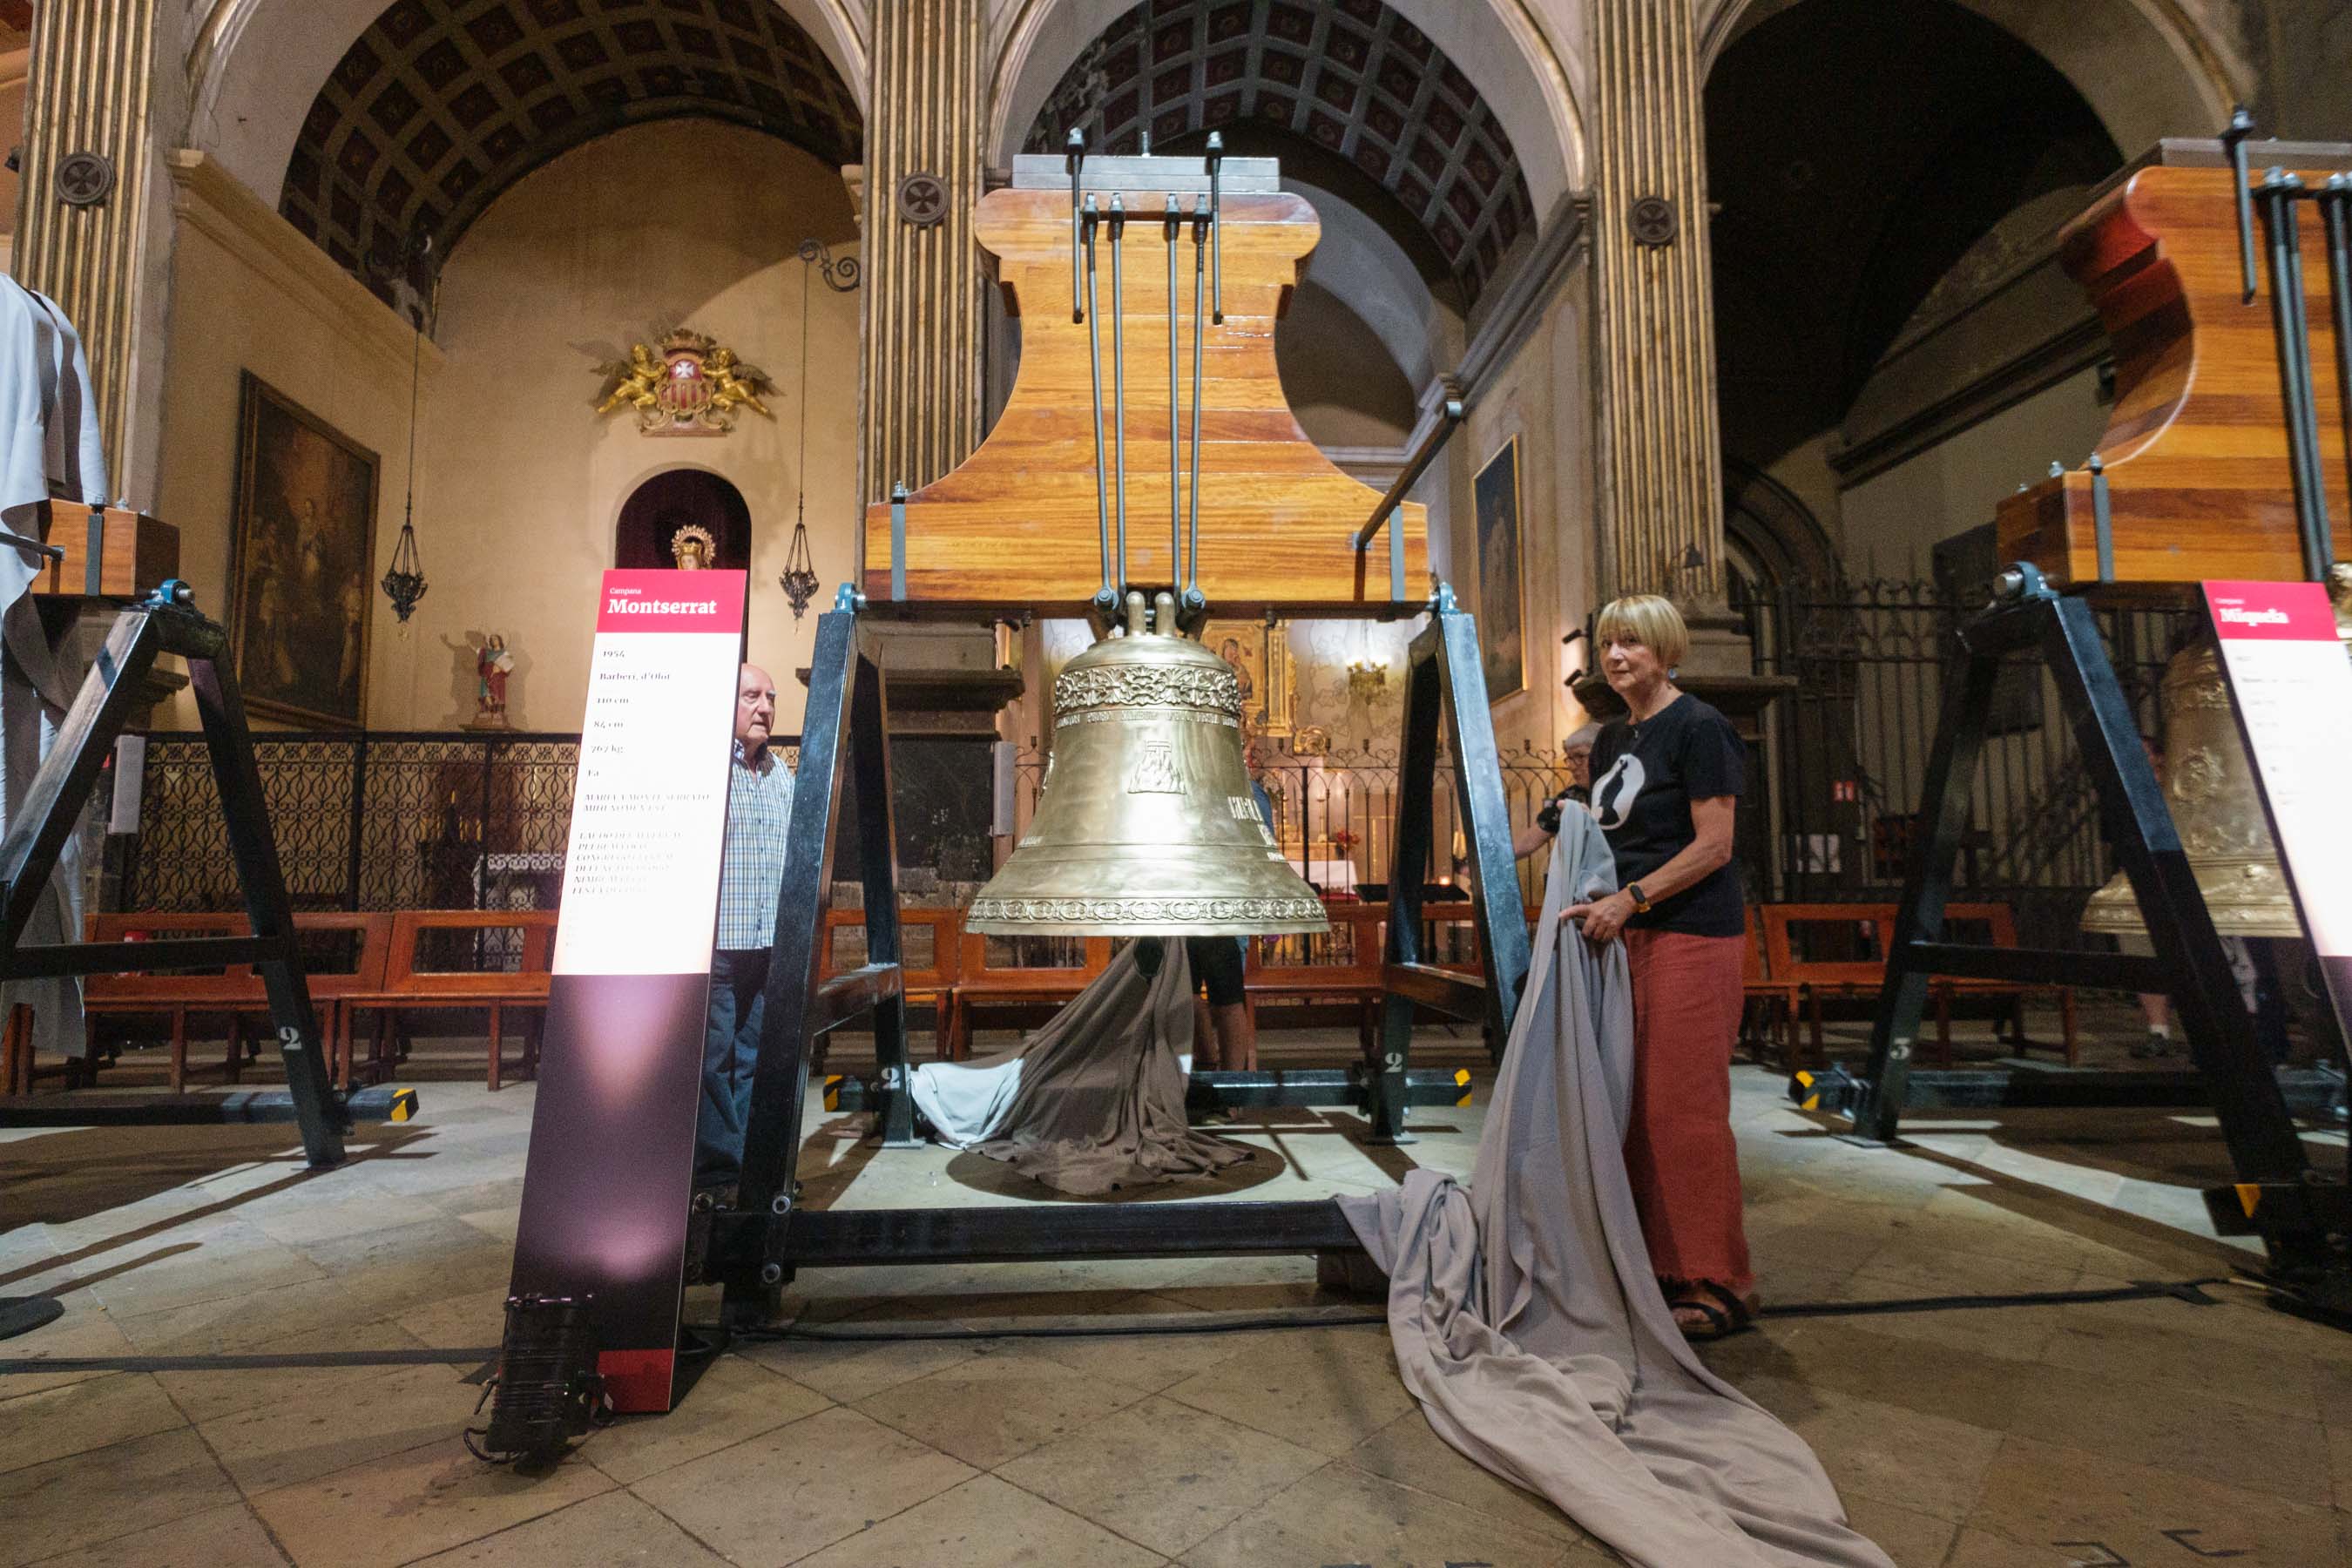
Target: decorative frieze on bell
x=1148 y=825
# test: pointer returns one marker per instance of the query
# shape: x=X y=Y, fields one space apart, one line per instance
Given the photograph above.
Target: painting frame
x=303 y=527
x=1269 y=694
x=1501 y=546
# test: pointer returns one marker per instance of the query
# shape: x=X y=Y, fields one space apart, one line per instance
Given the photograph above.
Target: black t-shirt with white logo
x=1644 y=778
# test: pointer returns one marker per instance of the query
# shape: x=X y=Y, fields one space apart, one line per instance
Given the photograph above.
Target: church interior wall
x=248 y=293
x=1891 y=520
x=681 y=222
x=521 y=484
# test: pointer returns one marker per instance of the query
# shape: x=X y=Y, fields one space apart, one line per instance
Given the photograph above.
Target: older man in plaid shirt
x=759 y=810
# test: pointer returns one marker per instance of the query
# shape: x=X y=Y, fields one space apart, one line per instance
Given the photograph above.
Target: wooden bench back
x=946 y=927
x=1782 y=962
x=973 y=968
x=528 y=982
x=237 y=982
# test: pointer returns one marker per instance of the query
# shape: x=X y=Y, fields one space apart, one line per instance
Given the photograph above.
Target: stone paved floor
x=2141 y=1432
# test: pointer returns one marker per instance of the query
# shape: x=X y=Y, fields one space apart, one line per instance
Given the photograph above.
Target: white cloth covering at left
x=49 y=447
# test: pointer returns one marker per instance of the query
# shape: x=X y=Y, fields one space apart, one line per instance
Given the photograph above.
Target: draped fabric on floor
x=1525 y=1316
x=1094 y=1101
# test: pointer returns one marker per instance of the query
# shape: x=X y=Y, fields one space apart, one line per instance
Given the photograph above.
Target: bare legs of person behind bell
x=1224 y=1039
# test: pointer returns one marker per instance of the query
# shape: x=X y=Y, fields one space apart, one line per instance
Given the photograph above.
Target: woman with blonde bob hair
x=1667 y=780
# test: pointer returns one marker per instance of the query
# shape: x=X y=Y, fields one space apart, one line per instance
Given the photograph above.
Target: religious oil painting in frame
x=1502 y=610
x=1260 y=655
x=302 y=549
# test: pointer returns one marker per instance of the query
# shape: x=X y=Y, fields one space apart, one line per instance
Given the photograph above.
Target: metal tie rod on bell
x=1076 y=149
x=2277 y=194
x=1106 y=597
x=1118 y=224
x=1203 y=220
x=1173 y=222
x=2335 y=199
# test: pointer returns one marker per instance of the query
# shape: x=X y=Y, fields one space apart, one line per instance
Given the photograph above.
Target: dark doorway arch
x=669 y=501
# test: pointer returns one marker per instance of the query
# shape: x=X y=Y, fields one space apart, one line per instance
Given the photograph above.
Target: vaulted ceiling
x=1351 y=77
x=443 y=104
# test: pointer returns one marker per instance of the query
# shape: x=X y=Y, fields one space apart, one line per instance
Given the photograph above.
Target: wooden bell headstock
x=2196 y=451
x=1016 y=525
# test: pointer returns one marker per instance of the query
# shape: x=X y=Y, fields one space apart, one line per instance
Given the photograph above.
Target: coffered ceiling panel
x=442 y=104
x=1351 y=77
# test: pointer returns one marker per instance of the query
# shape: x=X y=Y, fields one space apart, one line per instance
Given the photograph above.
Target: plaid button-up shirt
x=759 y=811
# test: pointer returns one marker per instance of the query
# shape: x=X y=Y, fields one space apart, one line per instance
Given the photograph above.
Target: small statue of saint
x=492 y=665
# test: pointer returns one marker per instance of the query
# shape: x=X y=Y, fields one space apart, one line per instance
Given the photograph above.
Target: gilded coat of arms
x=687 y=383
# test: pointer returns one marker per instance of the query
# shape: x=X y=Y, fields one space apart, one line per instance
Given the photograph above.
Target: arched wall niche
x=2149 y=68
x=1522 y=73
x=255 y=67
x=660 y=507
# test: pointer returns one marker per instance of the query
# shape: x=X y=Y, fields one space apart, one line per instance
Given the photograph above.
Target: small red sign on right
x=2292 y=683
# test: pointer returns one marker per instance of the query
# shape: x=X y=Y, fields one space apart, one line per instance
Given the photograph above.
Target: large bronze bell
x=1148 y=826
x=2209 y=786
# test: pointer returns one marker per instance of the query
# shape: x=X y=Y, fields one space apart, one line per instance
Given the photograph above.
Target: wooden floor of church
x=2149 y=1431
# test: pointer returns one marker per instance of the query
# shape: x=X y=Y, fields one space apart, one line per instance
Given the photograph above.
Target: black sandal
x=1732 y=1316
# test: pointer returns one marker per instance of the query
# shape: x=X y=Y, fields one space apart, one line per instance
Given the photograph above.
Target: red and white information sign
x=2293 y=689
x=649 y=812
x=611 y=1168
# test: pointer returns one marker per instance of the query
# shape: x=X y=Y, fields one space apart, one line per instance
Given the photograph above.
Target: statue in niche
x=693 y=548
x=492 y=665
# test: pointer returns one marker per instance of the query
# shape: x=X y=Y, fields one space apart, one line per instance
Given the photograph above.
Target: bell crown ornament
x=1148 y=825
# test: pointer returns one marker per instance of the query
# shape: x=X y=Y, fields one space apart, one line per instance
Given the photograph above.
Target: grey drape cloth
x=49 y=446
x=1095 y=1100
x=1526 y=1318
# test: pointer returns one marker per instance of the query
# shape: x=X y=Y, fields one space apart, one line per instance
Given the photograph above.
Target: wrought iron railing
x=1845 y=750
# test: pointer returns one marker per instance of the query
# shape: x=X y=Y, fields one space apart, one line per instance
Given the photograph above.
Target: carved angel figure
x=733 y=382
x=632 y=380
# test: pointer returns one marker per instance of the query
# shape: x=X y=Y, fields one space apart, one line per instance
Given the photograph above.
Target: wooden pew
x=236 y=992
x=1822 y=979
x=1026 y=993
x=928 y=983
x=406 y=987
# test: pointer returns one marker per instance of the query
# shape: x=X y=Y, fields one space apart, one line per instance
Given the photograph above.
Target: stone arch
x=1771 y=526
x=2147 y=67
x=1521 y=73
x=255 y=67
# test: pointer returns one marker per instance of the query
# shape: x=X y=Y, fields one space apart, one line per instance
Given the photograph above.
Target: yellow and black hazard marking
x=403 y=1105
x=833 y=1091
x=1461 y=1082
x=1812 y=1099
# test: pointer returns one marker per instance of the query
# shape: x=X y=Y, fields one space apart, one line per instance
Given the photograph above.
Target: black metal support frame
x=844 y=736
x=754 y=1248
x=1443 y=669
x=167 y=622
x=2302 y=1214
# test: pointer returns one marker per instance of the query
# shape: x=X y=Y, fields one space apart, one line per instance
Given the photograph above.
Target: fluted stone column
x=105 y=79
x=1660 y=490
x=921 y=381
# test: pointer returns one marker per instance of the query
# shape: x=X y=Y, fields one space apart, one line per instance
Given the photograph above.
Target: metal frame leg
x=877 y=859
x=1943 y=804
x=1498 y=911
x=1443 y=672
x=1408 y=864
x=167 y=622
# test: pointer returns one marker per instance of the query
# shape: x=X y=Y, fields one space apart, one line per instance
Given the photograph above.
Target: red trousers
x=1679 y=1151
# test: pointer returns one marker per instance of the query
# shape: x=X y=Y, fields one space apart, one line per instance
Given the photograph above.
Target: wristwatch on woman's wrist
x=1641 y=900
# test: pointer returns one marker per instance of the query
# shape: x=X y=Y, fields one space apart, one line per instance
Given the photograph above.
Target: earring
x=1673 y=672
